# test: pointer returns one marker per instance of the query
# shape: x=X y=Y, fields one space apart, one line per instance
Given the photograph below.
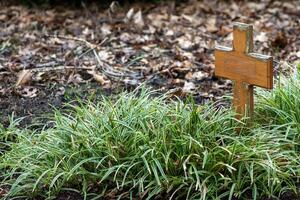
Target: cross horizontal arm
x=253 y=69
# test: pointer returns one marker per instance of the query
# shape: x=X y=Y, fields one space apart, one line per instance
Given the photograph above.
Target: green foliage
x=145 y=147
x=282 y=105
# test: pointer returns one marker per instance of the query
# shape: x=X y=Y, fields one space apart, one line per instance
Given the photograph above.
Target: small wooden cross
x=246 y=68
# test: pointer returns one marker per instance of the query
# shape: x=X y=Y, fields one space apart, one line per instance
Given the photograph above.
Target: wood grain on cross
x=245 y=68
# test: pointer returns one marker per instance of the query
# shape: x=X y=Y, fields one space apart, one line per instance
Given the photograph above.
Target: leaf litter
x=168 y=45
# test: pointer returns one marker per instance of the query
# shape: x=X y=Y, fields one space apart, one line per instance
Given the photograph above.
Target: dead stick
x=46 y=69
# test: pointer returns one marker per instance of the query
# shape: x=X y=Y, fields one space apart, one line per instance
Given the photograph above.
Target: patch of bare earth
x=168 y=46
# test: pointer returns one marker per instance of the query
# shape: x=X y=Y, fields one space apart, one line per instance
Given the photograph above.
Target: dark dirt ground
x=44 y=52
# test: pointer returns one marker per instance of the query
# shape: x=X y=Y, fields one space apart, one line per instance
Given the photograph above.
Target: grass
x=282 y=106
x=140 y=146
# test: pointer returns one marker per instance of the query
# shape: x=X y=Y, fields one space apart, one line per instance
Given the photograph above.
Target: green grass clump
x=281 y=107
x=143 y=147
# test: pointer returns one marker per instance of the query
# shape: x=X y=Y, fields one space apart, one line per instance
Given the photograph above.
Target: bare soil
x=169 y=46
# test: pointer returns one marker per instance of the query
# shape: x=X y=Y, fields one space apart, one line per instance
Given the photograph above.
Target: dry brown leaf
x=24 y=78
x=99 y=77
x=138 y=19
x=75 y=79
x=200 y=75
x=189 y=18
x=211 y=25
x=225 y=30
x=175 y=92
x=189 y=76
x=106 y=29
x=129 y=15
x=3 y=192
x=262 y=37
x=188 y=87
x=184 y=43
x=60 y=91
x=114 y=6
x=3 y=18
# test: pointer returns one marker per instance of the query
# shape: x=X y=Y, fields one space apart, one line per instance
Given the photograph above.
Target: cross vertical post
x=245 y=68
x=243 y=98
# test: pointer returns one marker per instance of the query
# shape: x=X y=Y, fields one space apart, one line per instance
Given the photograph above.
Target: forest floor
x=50 y=55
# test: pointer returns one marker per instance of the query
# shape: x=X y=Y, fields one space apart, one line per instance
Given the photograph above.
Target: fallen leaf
x=60 y=91
x=114 y=6
x=188 y=87
x=225 y=30
x=169 y=33
x=262 y=37
x=211 y=25
x=75 y=79
x=105 y=29
x=138 y=19
x=103 y=55
x=188 y=18
x=24 y=78
x=200 y=75
x=175 y=92
x=3 y=91
x=3 y=192
x=129 y=15
x=184 y=43
x=3 y=17
x=99 y=78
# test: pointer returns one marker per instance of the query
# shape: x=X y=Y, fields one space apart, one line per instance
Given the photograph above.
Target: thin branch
x=46 y=69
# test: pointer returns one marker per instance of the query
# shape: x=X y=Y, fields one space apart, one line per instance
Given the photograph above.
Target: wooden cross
x=246 y=68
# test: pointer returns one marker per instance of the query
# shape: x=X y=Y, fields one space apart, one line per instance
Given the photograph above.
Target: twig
x=48 y=64
x=5 y=72
x=74 y=39
x=91 y=49
x=104 y=67
x=46 y=69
